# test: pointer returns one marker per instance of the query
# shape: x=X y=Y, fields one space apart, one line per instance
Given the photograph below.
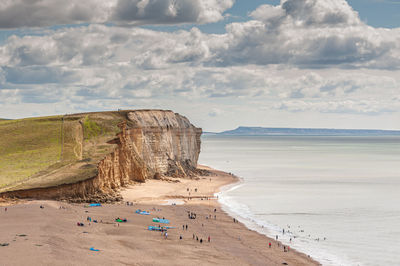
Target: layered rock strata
x=151 y=144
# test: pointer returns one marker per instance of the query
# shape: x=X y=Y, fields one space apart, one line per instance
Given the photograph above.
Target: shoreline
x=50 y=235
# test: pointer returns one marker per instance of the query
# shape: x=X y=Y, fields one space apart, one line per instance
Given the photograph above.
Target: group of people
x=191 y=215
x=201 y=239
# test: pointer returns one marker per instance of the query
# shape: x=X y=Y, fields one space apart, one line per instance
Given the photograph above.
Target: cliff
x=150 y=144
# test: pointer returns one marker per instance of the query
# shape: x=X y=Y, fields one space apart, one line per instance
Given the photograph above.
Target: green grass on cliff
x=91 y=128
x=28 y=146
x=48 y=151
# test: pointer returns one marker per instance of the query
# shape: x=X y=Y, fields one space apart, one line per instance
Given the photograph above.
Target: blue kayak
x=158 y=220
x=142 y=212
x=156 y=228
x=93 y=205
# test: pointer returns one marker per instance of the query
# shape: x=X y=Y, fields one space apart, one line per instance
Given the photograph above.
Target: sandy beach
x=50 y=235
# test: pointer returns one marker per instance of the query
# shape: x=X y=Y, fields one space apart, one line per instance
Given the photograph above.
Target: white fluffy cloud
x=139 y=12
x=311 y=34
x=28 y=13
x=298 y=57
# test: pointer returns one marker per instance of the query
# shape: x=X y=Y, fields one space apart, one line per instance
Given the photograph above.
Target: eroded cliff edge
x=150 y=144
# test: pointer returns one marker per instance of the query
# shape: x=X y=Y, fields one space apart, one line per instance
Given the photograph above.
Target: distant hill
x=264 y=131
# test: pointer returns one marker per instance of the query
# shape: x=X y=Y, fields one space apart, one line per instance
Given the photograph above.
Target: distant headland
x=269 y=131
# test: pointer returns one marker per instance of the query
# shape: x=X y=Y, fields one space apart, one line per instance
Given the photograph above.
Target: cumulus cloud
x=299 y=33
x=310 y=34
x=309 y=13
x=28 y=13
x=170 y=11
x=324 y=60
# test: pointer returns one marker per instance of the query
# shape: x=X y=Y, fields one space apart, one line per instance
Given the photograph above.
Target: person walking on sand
x=269 y=244
x=186 y=227
x=276 y=237
x=166 y=235
x=209 y=239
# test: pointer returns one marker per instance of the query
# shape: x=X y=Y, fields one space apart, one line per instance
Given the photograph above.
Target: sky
x=221 y=63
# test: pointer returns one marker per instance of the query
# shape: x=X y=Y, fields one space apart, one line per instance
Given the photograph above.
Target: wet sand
x=50 y=236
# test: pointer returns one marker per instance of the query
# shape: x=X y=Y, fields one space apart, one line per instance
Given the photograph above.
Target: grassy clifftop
x=48 y=151
x=28 y=146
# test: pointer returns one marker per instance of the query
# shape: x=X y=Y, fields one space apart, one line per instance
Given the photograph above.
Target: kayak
x=142 y=212
x=158 y=220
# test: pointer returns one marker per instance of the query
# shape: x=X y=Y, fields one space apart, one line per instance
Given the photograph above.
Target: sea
x=336 y=197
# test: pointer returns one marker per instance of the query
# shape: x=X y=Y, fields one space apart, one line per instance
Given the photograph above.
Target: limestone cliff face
x=151 y=144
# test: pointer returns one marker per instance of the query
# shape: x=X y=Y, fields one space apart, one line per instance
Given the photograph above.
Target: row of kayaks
x=156 y=220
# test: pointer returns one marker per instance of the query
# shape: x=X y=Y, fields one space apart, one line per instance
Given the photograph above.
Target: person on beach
x=209 y=238
x=269 y=244
x=276 y=237
x=180 y=237
x=183 y=227
x=201 y=240
x=166 y=235
x=186 y=227
x=193 y=236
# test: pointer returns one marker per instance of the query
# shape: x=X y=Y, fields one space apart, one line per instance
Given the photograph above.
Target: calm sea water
x=338 y=196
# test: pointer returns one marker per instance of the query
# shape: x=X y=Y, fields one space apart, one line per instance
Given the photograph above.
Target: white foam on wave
x=243 y=213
